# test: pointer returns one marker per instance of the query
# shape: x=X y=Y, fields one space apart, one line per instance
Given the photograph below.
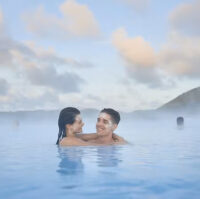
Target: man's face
x=104 y=125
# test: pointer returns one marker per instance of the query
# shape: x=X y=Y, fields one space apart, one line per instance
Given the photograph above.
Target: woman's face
x=77 y=125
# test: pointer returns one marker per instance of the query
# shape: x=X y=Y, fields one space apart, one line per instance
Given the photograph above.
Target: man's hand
x=117 y=138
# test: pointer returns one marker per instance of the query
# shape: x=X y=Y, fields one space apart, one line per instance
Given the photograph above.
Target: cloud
x=76 y=21
x=81 y=19
x=39 y=66
x=2 y=25
x=5 y=56
x=66 y=82
x=1 y=17
x=186 y=18
x=5 y=44
x=180 y=56
x=140 y=58
x=49 y=56
x=42 y=68
x=37 y=76
x=4 y=87
x=136 y=51
x=17 y=55
x=8 y=46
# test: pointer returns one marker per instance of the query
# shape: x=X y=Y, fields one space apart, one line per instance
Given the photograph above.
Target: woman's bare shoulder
x=72 y=142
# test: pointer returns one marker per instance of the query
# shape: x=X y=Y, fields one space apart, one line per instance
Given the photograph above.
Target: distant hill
x=188 y=102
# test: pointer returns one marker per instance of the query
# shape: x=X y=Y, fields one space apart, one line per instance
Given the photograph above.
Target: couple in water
x=70 y=127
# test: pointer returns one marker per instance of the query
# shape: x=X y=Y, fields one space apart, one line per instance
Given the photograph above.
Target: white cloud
x=77 y=21
x=185 y=18
x=41 y=69
x=140 y=58
x=180 y=56
x=136 y=50
x=66 y=82
x=5 y=44
x=80 y=20
x=39 y=66
x=37 y=77
x=1 y=17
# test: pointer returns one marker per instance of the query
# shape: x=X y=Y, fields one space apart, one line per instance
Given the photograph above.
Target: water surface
x=161 y=161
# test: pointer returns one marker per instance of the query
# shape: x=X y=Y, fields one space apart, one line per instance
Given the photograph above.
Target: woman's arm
x=87 y=137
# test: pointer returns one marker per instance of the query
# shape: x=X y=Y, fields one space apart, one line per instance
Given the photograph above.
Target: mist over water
x=161 y=161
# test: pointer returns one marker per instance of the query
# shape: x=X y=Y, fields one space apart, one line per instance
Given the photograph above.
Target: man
x=107 y=122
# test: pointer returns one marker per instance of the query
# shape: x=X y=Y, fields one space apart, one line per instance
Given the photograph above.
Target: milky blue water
x=162 y=161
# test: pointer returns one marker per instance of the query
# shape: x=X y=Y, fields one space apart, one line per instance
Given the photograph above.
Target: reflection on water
x=108 y=156
x=70 y=160
x=180 y=127
x=78 y=166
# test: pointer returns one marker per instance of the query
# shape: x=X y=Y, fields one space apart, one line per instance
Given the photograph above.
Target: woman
x=70 y=123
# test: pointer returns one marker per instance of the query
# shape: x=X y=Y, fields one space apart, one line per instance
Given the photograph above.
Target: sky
x=122 y=54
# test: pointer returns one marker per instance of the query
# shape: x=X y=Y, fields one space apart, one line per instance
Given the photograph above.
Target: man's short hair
x=114 y=114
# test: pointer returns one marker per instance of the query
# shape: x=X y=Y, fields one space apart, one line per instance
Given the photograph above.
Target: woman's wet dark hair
x=67 y=116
